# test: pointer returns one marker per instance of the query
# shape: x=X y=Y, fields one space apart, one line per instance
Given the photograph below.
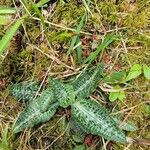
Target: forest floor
x=58 y=41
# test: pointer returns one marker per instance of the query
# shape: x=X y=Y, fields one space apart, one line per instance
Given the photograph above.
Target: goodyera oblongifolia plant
x=91 y=116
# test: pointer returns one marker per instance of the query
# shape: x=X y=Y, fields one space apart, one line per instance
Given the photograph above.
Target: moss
x=68 y=13
x=6 y=3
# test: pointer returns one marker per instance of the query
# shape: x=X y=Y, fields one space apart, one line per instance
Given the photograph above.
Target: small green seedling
x=121 y=78
x=117 y=95
x=134 y=72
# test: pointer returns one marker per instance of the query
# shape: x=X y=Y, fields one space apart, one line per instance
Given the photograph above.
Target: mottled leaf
x=87 y=81
x=38 y=111
x=64 y=93
x=96 y=120
x=24 y=91
x=78 y=131
x=31 y=117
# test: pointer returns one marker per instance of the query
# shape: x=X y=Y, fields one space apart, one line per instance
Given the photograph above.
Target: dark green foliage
x=64 y=93
x=24 y=91
x=32 y=116
x=95 y=119
x=87 y=115
x=45 y=100
x=87 y=81
x=39 y=110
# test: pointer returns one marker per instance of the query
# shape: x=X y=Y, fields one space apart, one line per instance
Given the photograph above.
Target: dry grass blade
x=86 y=4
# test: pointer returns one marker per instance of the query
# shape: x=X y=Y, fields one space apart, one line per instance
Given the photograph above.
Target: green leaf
x=41 y=3
x=35 y=8
x=77 y=138
x=86 y=4
x=115 y=77
x=134 y=72
x=116 y=95
x=121 y=95
x=87 y=81
x=38 y=111
x=147 y=109
x=37 y=11
x=4 y=140
x=74 y=39
x=5 y=41
x=146 y=70
x=63 y=93
x=72 y=44
x=107 y=40
x=79 y=52
x=24 y=91
x=95 y=119
x=4 y=11
x=113 y=96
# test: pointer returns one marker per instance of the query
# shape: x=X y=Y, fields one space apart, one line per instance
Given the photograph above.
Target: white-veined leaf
x=95 y=119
